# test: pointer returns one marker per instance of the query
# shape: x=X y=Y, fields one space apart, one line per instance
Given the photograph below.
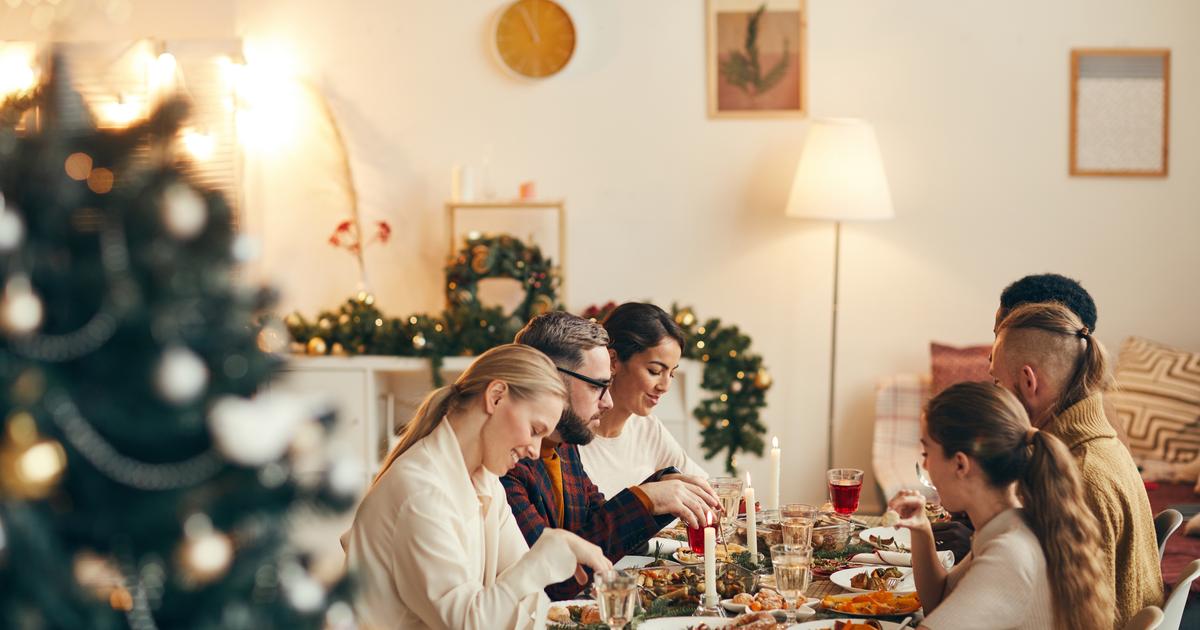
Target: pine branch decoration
x=743 y=69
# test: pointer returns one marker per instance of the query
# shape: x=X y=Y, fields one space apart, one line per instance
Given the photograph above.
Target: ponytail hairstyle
x=1089 y=374
x=527 y=372
x=636 y=326
x=988 y=424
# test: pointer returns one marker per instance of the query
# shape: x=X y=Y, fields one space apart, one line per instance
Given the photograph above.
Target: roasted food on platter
x=877 y=579
x=876 y=603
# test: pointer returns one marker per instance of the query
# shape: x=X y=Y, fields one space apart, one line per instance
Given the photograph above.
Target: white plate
x=683 y=623
x=827 y=624
x=569 y=602
x=842 y=579
x=804 y=611
x=902 y=536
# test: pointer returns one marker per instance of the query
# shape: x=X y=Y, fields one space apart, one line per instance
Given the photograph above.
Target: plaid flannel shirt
x=618 y=526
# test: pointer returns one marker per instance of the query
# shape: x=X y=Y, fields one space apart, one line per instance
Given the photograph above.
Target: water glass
x=616 y=596
x=796 y=523
x=729 y=492
x=792 y=566
x=845 y=486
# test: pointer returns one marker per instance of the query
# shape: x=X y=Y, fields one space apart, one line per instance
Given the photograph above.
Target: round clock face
x=535 y=38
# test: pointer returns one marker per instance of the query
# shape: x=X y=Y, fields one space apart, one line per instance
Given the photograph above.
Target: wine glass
x=845 y=486
x=616 y=596
x=792 y=565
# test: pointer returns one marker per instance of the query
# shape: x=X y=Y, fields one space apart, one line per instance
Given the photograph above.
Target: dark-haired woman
x=1033 y=561
x=631 y=443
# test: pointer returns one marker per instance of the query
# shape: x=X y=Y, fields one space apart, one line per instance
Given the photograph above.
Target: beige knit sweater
x=1114 y=490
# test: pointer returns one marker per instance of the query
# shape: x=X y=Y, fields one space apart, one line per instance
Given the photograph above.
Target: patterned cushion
x=897 y=446
x=1158 y=400
x=952 y=365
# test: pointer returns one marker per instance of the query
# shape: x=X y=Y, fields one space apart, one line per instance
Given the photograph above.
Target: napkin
x=665 y=546
x=900 y=559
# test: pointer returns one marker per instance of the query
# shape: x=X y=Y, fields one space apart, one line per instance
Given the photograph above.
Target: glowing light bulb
x=200 y=145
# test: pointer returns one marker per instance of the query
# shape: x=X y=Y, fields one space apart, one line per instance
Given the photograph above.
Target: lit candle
x=710 y=564
x=751 y=522
x=773 y=497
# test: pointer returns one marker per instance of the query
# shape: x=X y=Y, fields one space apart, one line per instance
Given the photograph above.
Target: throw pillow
x=952 y=365
x=1158 y=400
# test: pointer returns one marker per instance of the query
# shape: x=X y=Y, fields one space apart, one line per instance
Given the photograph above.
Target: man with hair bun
x=1048 y=357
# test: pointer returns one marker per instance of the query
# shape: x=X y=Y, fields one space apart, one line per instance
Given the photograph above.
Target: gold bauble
x=762 y=379
x=419 y=341
x=541 y=305
x=479 y=264
x=205 y=557
x=685 y=317
x=337 y=350
x=30 y=468
x=344 y=319
x=325 y=324
x=293 y=320
x=316 y=345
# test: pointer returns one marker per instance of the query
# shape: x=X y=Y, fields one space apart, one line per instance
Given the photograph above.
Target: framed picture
x=755 y=58
x=1120 y=111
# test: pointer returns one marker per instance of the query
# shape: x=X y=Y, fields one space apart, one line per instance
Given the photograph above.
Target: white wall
x=969 y=99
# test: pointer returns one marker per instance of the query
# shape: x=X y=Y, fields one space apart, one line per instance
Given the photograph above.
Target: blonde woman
x=434 y=543
x=1033 y=561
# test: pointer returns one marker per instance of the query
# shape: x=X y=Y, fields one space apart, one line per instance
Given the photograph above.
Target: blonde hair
x=527 y=372
x=1065 y=339
x=987 y=423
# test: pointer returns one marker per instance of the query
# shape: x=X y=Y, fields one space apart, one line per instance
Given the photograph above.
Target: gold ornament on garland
x=316 y=345
x=30 y=466
x=762 y=378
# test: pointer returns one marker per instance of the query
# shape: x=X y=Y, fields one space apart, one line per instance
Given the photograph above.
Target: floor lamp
x=840 y=177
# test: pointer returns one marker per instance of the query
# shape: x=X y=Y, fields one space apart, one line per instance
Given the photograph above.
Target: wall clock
x=535 y=38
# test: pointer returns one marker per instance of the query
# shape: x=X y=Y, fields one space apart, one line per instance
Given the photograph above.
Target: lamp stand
x=837 y=250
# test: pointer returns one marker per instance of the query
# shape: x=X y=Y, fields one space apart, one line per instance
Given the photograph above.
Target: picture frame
x=1120 y=112
x=756 y=58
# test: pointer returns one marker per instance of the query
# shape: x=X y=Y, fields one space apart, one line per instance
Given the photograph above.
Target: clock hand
x=529 y=24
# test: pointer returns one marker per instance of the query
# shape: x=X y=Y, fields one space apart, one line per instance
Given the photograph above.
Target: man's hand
x=952 y=536
x=696 y=480
x=682 y=497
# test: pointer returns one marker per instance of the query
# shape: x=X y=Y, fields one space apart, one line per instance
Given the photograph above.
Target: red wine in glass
x=696 y=539
x=844 y=493
x=845 y=486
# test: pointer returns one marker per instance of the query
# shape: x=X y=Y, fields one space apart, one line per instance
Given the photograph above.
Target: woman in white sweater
x=434 y=543
x=631 y=444
x=1033 y=561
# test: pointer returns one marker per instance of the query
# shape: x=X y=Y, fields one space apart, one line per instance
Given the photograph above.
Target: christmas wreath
x=502 y=256
x=734 y=376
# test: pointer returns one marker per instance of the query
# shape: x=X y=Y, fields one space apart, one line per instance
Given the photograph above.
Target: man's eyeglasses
x=601 y=385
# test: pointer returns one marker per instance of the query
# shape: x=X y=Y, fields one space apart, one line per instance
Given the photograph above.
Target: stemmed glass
x=616 y=596
x=792 y=565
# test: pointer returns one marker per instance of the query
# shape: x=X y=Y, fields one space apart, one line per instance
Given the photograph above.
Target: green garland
x=736 y=378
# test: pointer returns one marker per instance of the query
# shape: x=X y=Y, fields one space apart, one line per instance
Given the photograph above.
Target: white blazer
x=433 y=547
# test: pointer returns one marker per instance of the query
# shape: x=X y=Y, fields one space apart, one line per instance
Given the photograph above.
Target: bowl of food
x=831 y=537
x=767 y=527
x=683 y=586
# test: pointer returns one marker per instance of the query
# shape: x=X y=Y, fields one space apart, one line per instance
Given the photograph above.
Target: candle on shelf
x=710 y=564
x=751 y=522
x=773 y=497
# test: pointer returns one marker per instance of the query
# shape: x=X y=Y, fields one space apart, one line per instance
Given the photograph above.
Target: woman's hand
x=910 y=506
x=586 y=554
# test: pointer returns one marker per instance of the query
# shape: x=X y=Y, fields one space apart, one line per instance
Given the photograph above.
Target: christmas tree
x=143 y=481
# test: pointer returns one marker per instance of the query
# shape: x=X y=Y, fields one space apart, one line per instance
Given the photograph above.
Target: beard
x=574 y=429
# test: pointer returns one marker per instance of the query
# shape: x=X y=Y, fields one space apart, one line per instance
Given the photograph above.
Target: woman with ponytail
x=1033 y=561
x=434 y=543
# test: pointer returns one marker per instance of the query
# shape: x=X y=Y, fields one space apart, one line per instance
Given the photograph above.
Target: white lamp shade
x=840 y=176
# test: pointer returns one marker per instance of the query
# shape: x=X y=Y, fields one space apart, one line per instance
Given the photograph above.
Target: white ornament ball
x=258 y=431
x=304 y=593
x=346 y=477
x=20 y=309
x=181 y=375
x=246 y=248
x=206 y=557
x=184 y=211
x=12 y=230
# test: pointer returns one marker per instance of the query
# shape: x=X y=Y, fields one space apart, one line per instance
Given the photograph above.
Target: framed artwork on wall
x=756 y=58
x=1120 y=111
